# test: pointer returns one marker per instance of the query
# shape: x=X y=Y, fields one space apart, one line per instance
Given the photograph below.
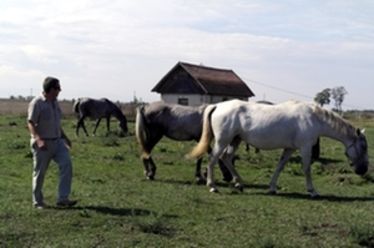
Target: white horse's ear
x=360 y=131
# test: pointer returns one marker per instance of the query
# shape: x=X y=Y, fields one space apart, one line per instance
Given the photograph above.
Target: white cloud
x=129 y=45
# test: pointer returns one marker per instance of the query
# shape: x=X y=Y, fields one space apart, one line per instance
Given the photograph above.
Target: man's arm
x=39 y=141
x=63 y=135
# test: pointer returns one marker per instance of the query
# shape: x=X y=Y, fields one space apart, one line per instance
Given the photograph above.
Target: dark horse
x=177 y=122
x=98 y=109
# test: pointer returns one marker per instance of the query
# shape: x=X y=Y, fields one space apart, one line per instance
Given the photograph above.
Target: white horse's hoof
x=213 y=190
x=239 y=187
x=150 y=178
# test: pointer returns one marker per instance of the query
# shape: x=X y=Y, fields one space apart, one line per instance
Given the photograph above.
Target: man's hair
x=50 y=83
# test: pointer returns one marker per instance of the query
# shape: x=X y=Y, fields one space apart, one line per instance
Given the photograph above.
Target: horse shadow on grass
x=219 y=184
x=291 y=195
x=331 y=198
x=325 y=161
x=175 y=181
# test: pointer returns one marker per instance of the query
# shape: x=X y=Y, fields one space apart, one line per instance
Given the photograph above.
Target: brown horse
x=177 y=122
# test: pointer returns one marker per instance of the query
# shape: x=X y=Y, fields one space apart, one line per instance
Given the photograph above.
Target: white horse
x=290 y=125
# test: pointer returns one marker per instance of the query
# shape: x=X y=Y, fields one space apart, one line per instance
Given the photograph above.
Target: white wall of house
x=194 y=99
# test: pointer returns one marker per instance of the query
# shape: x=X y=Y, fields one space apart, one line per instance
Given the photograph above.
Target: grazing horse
x=177 y=122
x=98 y=109
x=290 y=125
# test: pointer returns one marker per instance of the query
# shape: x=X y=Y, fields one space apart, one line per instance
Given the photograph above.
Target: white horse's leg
x=210 y=174
x=306 y=155
x=213 y=159
x=227 y=158
x=282 y=162
x=238 y=182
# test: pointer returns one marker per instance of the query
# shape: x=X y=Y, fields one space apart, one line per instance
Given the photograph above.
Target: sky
x=120 y=49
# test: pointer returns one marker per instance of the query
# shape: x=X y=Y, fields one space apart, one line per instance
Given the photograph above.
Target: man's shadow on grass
x=111 y=210
x=115 y=211
x=119 y=211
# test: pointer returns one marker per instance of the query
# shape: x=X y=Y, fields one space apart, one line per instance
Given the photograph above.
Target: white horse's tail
x=141 y=131
x=206 y=137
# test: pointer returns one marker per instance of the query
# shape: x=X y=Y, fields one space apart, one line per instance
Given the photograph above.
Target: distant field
x=19 y=107
x=119 y=208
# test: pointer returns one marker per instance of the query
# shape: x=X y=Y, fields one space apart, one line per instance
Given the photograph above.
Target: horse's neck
x=338 y=130
x=118 y=114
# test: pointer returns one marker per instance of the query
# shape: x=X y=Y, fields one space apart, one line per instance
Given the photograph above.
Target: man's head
x=51 y=83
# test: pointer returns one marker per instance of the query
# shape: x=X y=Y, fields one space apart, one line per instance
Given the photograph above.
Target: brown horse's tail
x=141 y=131
x=206 y=137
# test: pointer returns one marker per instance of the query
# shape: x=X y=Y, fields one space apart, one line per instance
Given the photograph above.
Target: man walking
x=49 y=142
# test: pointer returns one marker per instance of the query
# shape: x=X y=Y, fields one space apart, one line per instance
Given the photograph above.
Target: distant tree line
x=22 y=98
x=337 y=94
x=322 y=98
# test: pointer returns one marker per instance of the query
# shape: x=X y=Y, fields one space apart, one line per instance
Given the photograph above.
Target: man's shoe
x=66 y=203
x=40 y=205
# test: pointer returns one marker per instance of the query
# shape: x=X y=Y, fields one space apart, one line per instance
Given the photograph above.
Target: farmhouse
x=193 y=85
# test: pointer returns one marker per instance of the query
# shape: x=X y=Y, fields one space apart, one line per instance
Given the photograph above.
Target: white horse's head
x=357 y=152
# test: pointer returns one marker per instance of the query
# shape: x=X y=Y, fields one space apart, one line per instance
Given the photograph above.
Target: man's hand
x=41 y=144
x=68 y=143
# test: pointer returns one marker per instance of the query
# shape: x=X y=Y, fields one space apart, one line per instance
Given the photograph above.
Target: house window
x=183 y=101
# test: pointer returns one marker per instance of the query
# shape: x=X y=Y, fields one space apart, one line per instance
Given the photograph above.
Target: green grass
x=119 y=208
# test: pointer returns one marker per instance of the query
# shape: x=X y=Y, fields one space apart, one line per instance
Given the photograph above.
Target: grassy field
x=119 y=208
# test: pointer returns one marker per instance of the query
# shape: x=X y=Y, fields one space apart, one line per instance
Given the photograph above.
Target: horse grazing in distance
x=177 y=122
x=97 y=109
x=290 y=125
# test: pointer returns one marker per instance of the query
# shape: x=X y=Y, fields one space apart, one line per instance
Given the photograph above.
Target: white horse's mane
x=334 y=120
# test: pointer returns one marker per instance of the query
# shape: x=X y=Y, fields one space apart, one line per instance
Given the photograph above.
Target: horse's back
x=94 y=108
x=289 y=110
x=288 y=124
x=175 y=121
x=265 y=126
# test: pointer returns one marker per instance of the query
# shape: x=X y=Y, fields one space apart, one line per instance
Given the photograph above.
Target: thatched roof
x=204 y=80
